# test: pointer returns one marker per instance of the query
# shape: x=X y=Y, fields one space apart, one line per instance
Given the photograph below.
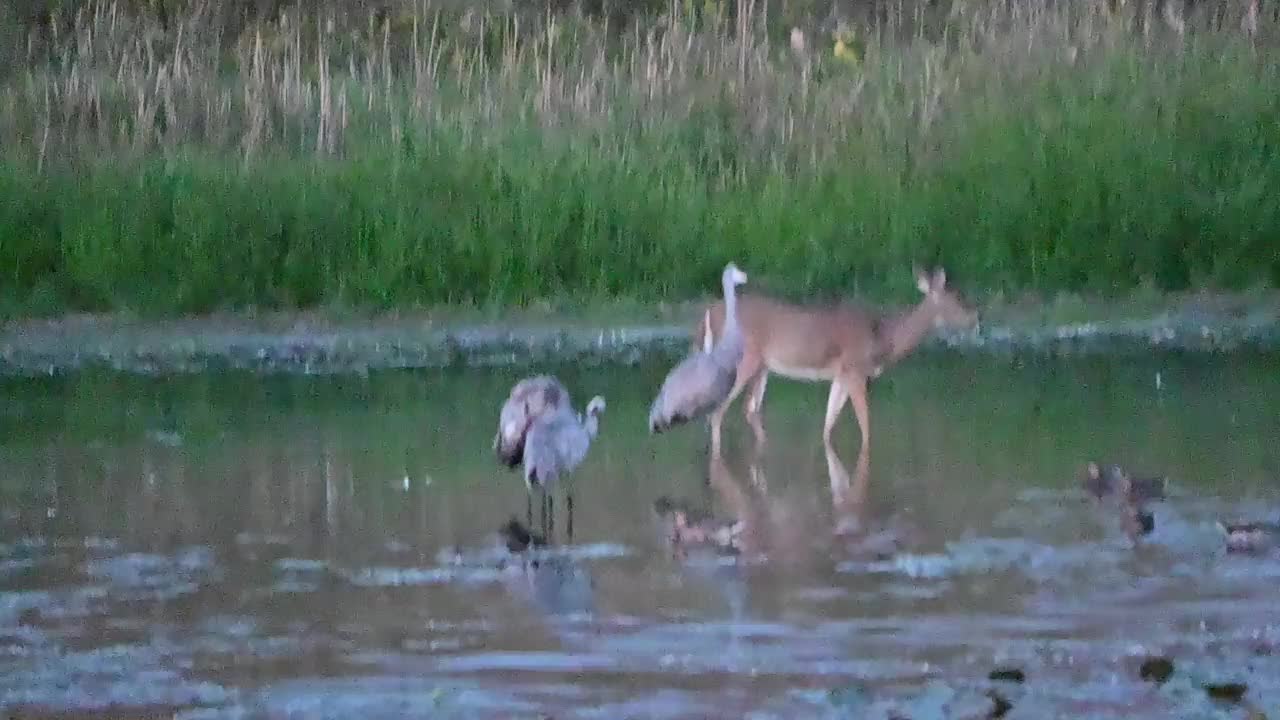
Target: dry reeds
x=424 y=153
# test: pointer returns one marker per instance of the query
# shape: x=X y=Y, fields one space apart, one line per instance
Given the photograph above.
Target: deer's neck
x=904 y=330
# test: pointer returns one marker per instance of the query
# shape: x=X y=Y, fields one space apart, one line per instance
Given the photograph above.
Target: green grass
x=434 y=159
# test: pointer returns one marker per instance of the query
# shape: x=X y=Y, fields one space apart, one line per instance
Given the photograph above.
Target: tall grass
x=429 y=154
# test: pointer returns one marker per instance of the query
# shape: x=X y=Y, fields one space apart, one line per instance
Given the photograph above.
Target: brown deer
x=844 y=343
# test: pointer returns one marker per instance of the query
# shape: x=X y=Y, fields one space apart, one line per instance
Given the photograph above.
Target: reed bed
x=428 y=153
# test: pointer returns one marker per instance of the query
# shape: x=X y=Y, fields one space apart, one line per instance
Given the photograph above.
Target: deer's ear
x=939 y=279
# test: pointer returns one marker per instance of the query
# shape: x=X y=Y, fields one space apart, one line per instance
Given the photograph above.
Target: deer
x=844 y=343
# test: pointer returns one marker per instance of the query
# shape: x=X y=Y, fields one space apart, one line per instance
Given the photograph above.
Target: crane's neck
x=726 y=351
x=591 y=424
x=730 y=305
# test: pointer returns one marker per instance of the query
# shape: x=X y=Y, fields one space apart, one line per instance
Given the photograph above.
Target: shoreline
x=313 y=342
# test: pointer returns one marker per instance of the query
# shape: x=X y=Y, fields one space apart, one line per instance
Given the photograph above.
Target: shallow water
x=229 y=546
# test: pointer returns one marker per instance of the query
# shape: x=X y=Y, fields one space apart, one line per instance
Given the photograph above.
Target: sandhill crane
x=538 y=429
x=557 y=442
x=529 y=399
x=703 y=380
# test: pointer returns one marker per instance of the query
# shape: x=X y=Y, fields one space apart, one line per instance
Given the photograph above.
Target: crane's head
x=595 y=408
x=733 y=276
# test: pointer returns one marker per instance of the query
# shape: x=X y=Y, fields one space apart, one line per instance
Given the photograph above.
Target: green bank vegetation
x=184 y=156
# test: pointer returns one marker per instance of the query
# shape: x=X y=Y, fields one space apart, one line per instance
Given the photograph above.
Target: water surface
x=238 y=545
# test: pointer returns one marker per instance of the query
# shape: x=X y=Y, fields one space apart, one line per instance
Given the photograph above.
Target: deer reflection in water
x=859 y=533
x=760 y=526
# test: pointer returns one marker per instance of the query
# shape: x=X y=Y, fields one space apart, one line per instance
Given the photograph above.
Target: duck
x=519 y=538
x=1137 y=521
x=689 y=526
x=1113 y=480
x=1250 y=536
x=1130 y=492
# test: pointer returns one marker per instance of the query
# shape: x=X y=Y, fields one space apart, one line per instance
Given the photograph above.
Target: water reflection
x=275 y=545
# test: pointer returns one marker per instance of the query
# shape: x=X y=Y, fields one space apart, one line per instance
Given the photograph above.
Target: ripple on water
x=410 y=576
x=1040 y=580
x=136 y=576
x=117 y=677
x=378 y=697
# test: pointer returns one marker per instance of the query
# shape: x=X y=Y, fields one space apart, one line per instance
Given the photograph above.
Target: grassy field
x=420 y=154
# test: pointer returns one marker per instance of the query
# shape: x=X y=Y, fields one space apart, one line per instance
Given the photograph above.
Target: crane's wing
x=556 y=444
x=529 y=399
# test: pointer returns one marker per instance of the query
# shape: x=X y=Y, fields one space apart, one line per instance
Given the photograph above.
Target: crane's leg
x=542 y=510
x=551 y=513
x=528 y=508
x=569 y=527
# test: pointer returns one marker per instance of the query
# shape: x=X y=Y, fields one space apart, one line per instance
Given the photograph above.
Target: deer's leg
x=835 y=401
x=747 y=369
x=754 y=405
x=857 y=388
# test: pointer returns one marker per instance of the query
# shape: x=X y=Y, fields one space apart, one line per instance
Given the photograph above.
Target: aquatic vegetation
x=165 y=158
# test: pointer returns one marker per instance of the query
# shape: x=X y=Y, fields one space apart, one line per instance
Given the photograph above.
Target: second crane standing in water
x=702 y=381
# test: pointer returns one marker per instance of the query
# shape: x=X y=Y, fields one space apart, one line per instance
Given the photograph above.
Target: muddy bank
x=312 y=343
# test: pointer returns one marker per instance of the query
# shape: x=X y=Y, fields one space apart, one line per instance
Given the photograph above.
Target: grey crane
x=704 y=379
x=557 y=442
x=531 y=398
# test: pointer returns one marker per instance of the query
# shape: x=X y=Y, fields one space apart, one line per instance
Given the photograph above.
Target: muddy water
x=244 y=546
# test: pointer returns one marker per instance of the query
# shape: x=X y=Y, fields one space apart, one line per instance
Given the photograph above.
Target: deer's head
x=947 y=308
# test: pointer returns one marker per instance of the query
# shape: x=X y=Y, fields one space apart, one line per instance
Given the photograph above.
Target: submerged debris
x=1156 y=669
x=1228 y=692
x=1007 y=674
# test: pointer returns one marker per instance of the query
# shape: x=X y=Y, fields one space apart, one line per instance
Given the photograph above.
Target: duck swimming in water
x=1250 y=537
x=1112 y=480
